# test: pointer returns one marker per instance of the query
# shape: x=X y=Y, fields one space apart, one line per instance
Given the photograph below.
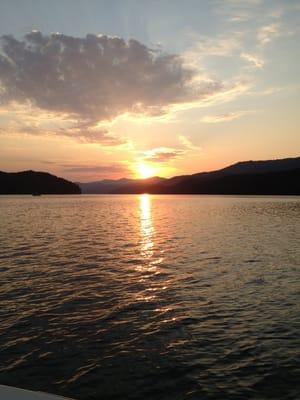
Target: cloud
x=27 y=120
x=253 y=59
x=213 y=119
x=238 y=10
x=187 y=144
x=234 y=89
x=168 y=154
x=85 y=133
x=162 y=154
x=92 y=169
x=88 y=172
x=204 y=47
x=77 y=88
x=267 y=33
x=95 y=78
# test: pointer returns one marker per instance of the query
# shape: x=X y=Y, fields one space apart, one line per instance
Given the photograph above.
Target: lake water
x=151 y=297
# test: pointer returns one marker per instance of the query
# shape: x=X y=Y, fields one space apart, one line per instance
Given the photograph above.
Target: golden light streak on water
x=150 y=255
x=147 y=230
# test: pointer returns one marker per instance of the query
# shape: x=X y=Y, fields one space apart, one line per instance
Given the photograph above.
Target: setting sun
x=145 y=171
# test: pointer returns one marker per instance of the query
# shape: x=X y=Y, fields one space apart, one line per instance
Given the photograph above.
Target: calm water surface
x=150 y=297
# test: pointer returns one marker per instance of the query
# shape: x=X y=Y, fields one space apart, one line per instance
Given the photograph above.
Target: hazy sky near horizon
x=93 y=89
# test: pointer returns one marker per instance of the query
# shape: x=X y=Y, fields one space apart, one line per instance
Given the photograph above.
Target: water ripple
x=150 y=297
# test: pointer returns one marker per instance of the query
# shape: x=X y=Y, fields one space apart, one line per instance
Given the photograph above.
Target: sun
x=145 y=171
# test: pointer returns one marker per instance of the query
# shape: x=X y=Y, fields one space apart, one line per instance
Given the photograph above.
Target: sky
x=93 y=89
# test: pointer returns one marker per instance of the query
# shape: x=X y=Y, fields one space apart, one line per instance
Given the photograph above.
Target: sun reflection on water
x=147 y=229
x=150 y=254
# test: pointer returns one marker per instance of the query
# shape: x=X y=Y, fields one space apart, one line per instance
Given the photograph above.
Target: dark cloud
x=96 y=77
x=82 y=131
x=167 y=154
x=101 y=169
x=163 y=154
x=89 y=134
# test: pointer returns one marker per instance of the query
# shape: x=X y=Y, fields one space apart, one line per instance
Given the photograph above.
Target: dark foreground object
x=13 y=393
x=35 y=183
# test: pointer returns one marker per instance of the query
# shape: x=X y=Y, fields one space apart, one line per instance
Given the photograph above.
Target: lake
x=151 y=297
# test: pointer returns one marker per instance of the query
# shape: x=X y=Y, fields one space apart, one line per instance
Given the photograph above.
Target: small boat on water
x=12 y=393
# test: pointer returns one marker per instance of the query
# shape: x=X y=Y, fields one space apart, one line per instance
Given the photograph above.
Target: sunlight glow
x=145 y=171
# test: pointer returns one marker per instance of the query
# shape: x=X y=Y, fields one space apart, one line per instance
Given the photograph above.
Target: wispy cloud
x=168 y=154
x=162 y=154
x=204 y=47
x=110 y=169
x=18 y=119
x=268 y=33
x=187 y=144
x=237 y=10
x=255 y=60
x=213 y=119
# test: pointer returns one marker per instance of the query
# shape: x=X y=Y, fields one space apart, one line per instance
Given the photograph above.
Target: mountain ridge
x=281 y=176
x=258 y=176
x=29 y=182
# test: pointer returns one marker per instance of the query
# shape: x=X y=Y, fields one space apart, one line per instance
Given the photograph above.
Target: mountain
x=248 y=167
x=29 y=182
x=247 y=177
x=112 y=186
